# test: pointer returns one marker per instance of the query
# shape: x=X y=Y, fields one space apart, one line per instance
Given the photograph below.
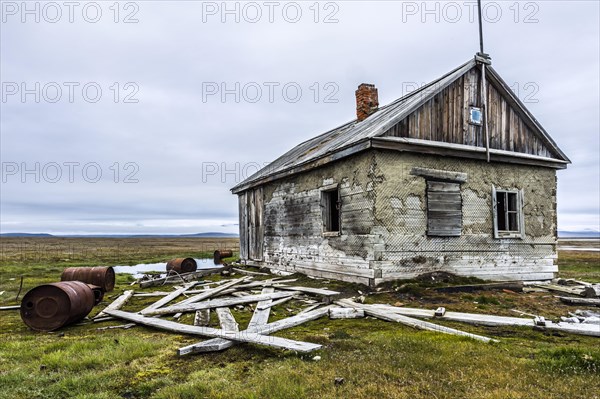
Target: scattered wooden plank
x=346 y=313
x=148 y=294
x=202 y=317
x=123 y=326
x=308 y=290
x=265 y=330
x=415 y=323
x=163 y=301
x=260 y=317
x=250 y=273
x=471 y=318
x=117 y=303
x=227 y=320
x=217 y=303
x=173 y=279
x=516 y=286
x=563 y=289
x=243 y=336
x=266 y=306
x=204 y=294
x=580 y=301
x=12 y=307
x=491 y=320
x=311 y=307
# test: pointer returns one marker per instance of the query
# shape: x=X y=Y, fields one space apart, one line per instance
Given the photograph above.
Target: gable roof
x=356 y=136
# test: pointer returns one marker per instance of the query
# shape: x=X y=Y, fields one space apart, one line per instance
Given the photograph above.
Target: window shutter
x=444 y=209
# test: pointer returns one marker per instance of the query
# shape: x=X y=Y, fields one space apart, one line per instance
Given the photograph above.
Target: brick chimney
x=367 y=101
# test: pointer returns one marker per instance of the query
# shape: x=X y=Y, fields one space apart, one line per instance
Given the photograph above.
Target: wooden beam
x=202 y=317
x=265 y=330
x=346 y=313
x=244 y=336
x=163 y=301
x=580 y=301
x=218 y=303
x=117 y=303
x=415 y=323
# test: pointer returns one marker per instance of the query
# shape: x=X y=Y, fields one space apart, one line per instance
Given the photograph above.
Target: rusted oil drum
x=220 y=254
x=51 y=306
x=103 y=277
x=182 y=265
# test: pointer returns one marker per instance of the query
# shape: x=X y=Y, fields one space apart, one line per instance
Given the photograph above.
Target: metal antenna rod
x=480 y=27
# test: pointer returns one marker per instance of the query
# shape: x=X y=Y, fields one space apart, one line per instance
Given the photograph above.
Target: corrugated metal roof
x=355 y=132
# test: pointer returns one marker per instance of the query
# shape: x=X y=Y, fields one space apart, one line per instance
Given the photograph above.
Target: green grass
x=375 y=358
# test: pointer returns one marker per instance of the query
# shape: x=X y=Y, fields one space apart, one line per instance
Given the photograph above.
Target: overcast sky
x=139 y=117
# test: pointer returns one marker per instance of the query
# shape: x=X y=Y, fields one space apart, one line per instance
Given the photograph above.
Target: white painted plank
x=167 y=299
x=263 y=310
x=244 y=336
x=211 y=345
x=415 y=323
x=117 y=303
x=346 y=313
x=218 y=303
x=202 y=317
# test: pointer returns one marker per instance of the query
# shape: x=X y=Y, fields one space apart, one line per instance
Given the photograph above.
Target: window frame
x=520 y=218
x=326 y=196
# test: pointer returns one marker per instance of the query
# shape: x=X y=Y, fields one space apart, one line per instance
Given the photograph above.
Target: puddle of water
x=139 y=270
x=578 y=249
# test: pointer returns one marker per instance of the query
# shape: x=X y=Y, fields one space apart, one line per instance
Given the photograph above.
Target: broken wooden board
x=202 y=317
x=471 y=318
x=226 y=319
x=117 y=303
x=516 y=286
x=491 y=320
x=218 y=303
x=346 y=313
x=174 y=279
x=373 y=310
x=264 y=330
x=163 y=301
x=12 y=307
x=268 y=305
x=243 y=336
x=210 y=292
x=580 y=301
x=561 y=288
x=259 y=318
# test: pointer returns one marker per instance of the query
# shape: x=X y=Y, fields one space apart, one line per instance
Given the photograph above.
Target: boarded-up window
x=444 y=209
x=331 y=210
x=508 y=213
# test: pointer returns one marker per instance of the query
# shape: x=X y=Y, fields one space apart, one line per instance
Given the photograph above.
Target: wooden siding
x=445 y=118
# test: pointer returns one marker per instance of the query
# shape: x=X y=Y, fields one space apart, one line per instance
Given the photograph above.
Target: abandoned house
x=457 y=176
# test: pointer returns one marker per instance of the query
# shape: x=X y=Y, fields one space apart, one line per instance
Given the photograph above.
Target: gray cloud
x=173 y=134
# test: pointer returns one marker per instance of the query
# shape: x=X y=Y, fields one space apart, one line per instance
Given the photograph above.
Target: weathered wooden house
x=457 y=176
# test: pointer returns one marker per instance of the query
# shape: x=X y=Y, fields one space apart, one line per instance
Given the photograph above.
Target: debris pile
x=51 y=306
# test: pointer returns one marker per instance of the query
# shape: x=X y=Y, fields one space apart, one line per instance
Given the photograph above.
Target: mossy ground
x=375 y=358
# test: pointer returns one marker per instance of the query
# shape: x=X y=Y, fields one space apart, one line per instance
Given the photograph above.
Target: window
x=444 y=209
x=331 y=205
x=475 y=116
x=508 y=213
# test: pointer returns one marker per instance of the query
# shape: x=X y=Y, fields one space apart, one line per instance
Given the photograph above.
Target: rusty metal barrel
x=52 y=306
x=220 y=254
x=101 y=276
x=182 y=265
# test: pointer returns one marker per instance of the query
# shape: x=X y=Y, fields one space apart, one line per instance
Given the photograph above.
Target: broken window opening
x=331 y=210
x=508 y=216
